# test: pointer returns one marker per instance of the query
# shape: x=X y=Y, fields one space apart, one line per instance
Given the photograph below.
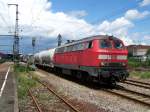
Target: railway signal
x=59 y=40
x=33 y=44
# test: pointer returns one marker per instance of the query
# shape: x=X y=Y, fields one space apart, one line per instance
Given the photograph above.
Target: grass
x=2 y=61
x=24 y=81
x=140 y=74
x=21 y=69
x=136 y=63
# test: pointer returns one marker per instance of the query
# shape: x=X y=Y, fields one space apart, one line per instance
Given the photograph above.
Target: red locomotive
x=102 y=58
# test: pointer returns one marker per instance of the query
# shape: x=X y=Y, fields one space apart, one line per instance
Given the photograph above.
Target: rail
x=53 y=92
x=138 y=83
x=132 y=95
x=61 y=98
x=35 y=101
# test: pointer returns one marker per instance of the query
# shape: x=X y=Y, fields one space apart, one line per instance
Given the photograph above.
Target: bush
x=24 y=80
x=2 y=61
x=143 y=75
x=132 y=62
x=24 y=83
x=19 y=68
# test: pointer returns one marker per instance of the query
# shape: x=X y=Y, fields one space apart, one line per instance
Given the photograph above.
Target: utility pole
x=59 y=40
x=16 y=38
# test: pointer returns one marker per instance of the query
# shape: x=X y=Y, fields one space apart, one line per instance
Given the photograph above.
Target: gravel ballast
x=90 y=97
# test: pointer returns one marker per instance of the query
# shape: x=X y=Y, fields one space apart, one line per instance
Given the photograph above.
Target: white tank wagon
x=36 y=58
x=45 y=57
x=39 y=57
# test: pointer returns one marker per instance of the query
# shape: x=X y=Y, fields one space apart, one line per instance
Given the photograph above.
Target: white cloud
x=135 y=14
x=119 y=23
x=145 y=3
x=118 y=27
x=147 y=37
x=36 y=18
x=140 y=38
x=121 y=26
x=78 y=13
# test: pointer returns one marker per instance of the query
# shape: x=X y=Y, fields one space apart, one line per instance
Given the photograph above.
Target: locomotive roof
x=89 y=39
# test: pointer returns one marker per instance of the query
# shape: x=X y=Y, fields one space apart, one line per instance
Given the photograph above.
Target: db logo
x=113 y=57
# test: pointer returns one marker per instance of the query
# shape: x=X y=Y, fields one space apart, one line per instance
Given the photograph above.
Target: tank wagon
x=45 y=58
x=102 y=58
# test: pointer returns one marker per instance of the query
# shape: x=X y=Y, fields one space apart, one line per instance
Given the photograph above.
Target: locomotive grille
x=114 y=64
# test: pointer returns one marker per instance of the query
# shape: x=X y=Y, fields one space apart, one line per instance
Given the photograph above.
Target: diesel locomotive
x=101 y=58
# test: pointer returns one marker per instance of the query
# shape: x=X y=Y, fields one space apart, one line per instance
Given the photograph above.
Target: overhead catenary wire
x=3 y=17
x=10 y=30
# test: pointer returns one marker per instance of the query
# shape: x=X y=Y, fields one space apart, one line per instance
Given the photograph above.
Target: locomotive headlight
x=121 y=57
x=124 y=64
x=102 y=64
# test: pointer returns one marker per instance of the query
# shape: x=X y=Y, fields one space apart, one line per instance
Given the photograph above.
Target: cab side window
x=118 y=44
x=89 y=45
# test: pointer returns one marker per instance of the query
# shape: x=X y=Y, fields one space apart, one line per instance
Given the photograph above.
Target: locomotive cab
x=112 y=57
x=100 y=57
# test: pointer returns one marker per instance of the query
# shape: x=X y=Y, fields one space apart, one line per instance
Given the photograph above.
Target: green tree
x=148 y=57
x=148 y=52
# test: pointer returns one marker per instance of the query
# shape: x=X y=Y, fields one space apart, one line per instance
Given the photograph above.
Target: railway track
x=120 y=91
x=132 y=95
x=54 y=93
x=137 y=83
x=35 y=101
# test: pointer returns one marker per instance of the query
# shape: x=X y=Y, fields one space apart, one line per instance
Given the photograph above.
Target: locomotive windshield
x=105 y=44
x=118 y=44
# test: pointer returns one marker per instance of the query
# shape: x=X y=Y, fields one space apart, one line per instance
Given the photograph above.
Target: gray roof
x=89 y=39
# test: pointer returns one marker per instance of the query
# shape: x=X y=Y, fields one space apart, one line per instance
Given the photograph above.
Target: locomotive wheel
x=58 y=71
x=89 y=78
x=82 y=76
x=112 y=82
x=79 y=75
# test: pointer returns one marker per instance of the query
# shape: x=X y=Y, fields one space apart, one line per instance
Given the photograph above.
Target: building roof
x=138 y=46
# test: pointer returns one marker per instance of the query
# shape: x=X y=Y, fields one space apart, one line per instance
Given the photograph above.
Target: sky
x=128 y=20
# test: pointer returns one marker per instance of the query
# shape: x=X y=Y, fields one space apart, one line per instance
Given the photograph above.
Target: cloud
x=119 y=23
x=144 y=3
x=147 y=37
x=140 y=38
x=36 y=19
x=118 y=27
x=135 y=14
x=78 y=14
